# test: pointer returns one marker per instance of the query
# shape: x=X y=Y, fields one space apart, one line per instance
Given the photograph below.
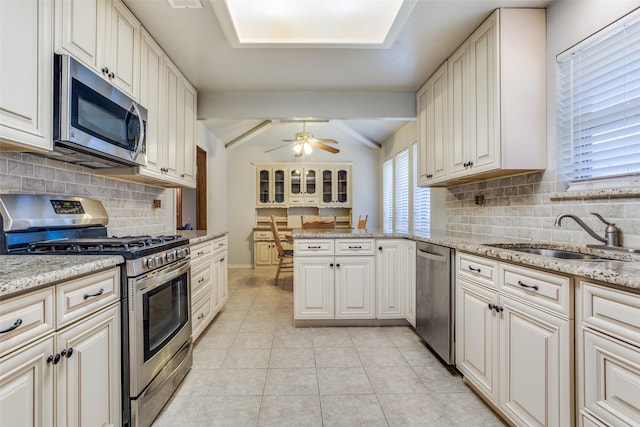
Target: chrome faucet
x=610 y=234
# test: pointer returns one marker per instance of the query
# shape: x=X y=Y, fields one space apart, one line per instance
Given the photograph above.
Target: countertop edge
x=198 y=236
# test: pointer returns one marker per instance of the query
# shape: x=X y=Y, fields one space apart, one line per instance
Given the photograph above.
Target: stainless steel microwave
x=95 y=124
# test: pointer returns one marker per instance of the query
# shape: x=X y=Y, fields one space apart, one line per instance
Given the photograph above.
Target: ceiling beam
x=251 y=133
x=357 y=135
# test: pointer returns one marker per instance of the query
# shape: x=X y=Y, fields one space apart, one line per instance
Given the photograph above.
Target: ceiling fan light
x=297 y=148
x=307 y=148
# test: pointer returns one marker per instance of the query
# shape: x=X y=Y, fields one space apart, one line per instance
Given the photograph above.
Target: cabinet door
x=422 y=97
x=355 y=287
x=459 y=110
x=437 y=125
x=151 y=87
x=536 y=365
x=477 y=336
x=343 y=187
x=310 y=182
x=295 y=182
x=262 y=253
x=221 y=280
x=410 y=292
x=484 y=130
x=313 y=284
x=279 y=185
x=26 y=63
x=84 y=26
x=328 y=178
x=173 y=117
x=26 y=386
x=390 y=270
x=124 y=60
x=264 y=186
x=188 y=147
x=88 y=378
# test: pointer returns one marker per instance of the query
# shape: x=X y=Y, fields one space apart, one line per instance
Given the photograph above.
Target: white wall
x=216 y=180
x=241 y=181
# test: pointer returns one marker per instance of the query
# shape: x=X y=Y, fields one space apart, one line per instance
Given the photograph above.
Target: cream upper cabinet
x=187 y=165
x=335 y=186
x=496 y=118
x=151 y=89
x=105 y=36
x=433 y=127
x=271 y=184
x=26 y=64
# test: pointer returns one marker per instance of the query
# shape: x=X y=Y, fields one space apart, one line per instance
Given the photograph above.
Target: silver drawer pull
x=97 y=294
x=355 y=247
x=11 y=328
x=524 y=285
x=477 y=270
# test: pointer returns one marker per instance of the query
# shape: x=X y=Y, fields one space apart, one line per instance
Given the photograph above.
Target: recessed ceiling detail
x=312 y=23
x=185 y=4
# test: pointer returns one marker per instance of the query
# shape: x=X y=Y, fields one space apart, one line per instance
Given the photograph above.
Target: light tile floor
x=253 y=368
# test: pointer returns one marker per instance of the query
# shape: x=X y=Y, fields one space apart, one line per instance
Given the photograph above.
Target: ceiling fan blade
x=282 y=146
x=326 y=141
x=325 y=147
x=288 y=140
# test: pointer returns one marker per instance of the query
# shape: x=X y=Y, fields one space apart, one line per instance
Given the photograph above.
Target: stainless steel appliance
x=435 y=299
x=94 y=123
x=155 y=304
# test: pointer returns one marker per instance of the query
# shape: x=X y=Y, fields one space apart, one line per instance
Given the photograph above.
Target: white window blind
x=401 y=193
x=421 y=198
x=599 y=105
x=387 y=195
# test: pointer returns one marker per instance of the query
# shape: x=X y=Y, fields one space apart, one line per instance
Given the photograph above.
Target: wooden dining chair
x=318 y=223
x=362 y=223
x=285 y=256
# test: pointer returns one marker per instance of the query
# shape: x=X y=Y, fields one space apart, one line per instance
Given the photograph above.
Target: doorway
x=191 y=204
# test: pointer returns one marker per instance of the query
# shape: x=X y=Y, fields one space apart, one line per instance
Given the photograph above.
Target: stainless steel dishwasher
x=435 y=298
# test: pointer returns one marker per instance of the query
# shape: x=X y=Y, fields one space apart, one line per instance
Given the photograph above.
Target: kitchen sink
x=553 y=253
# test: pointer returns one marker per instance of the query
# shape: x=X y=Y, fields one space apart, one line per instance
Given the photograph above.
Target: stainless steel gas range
x=155 y=304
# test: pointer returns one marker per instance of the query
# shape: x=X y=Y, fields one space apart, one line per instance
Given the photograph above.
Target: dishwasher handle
x=431 y=256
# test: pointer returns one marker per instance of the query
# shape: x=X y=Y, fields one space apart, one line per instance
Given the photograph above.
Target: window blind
x=387 y=195
x=598 y=86
x=401 y=193
x=421 y=198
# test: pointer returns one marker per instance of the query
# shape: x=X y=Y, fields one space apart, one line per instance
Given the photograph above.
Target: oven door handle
x=151 y=283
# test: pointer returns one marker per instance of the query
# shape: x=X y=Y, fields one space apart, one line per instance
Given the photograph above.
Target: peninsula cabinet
x=608 y=349
x=26 y=100
x=105 y=36
x=514 y=338
x=496 y=102
x=334 y=279
x=68 y=372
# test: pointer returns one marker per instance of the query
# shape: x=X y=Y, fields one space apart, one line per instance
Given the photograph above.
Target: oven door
x=160 y=321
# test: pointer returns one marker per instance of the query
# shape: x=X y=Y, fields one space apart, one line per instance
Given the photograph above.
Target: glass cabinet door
x=342 y=186
x=327 y=186
x=310 y=181
x=278 y=186
x=295 y=181
x=264 y=184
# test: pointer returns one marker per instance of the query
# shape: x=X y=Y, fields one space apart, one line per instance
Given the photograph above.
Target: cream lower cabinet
x=209 y=286
x=334 y=279
x=265 y=252
x=70 y=376
x=395 y=274
x=511 y=345
x=608 y=349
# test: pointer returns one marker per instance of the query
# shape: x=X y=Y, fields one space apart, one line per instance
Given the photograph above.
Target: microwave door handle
x=141 y=141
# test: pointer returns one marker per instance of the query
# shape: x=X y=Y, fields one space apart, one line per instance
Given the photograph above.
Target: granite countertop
x=622 y=269
x=21 y=273
x=199 y=236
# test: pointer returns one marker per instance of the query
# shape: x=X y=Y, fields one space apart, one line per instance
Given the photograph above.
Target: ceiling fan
x=305 y=142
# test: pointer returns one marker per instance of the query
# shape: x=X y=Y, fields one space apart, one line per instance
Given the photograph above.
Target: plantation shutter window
x=387 y=195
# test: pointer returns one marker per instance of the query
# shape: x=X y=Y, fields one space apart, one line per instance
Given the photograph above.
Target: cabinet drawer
x=477 y=269
x=219 y=245
x=201 y=250
x=200 y=279
x=615 y=312
x=611 y=379
x=262 y=235
x=25 y=318
x=355 y=247
x=81 y=297
x=545 y=289
x=304 y=201
x=313 y=247
x=201 y=313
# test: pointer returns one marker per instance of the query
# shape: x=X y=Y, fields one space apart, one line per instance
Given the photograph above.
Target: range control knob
x=170 y=256
x=159 y=260
x=150 y=263
x=182 y=252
